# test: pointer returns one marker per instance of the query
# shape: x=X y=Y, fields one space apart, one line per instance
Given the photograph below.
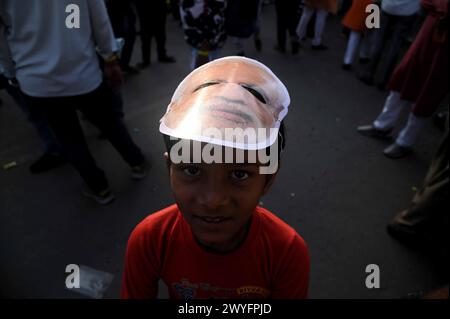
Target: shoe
x=404 y=233
x=372 y=131
x=103 y=198
x=319 y=47
x=366 y=79
x=143 y=65
x=258 y=44
x=47 y=162
x=396 y=151
x=346 y=66
x=140 y=171
x=364 y=60
x=167 y=59
x=279 y=49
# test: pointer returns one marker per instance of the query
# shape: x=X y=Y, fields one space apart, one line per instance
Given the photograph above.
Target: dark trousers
x=395 y=28
x=96 y=107
x=152 y=22
x=429 y=207
x=123 y=21
x=288 y=16
x=36 y=117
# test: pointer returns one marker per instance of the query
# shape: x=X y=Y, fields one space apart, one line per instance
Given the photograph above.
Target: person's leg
x=304 y=20
x=293 y=19
x=321 y=18
x=160 y=36
x=257 y=33
x=366 y=45
x=281 y=25
x=63 y=120
x=144 y=30
x=194 y=54
x=352 y=46
x=401 y=28
x=37 y=118
x=214 y=54
x=239 y=45
x=409 y=134
x=129 y=34
x=97 y=107
x=430 y=203
x=379 y=40
x=392 y=109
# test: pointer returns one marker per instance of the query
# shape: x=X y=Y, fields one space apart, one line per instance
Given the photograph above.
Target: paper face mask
x=234 y=102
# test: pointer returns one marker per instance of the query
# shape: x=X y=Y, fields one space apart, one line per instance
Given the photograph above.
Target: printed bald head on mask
x=232 y=94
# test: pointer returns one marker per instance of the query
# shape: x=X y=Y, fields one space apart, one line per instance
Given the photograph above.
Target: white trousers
x=392 y=109
x=321 y=16
x=352 y=46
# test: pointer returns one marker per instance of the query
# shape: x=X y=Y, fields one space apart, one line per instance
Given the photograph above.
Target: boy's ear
x=167 y=159
x=269 y=181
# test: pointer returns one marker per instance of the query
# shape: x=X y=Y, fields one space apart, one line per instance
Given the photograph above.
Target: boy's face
x=217 y=200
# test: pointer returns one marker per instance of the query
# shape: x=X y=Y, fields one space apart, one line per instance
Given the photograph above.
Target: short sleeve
x=292 y=274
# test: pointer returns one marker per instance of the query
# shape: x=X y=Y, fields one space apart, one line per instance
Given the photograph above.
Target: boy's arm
x=141 y=275
x=292 y=275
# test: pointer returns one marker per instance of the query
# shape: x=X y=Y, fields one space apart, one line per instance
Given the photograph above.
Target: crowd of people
x=52 y=72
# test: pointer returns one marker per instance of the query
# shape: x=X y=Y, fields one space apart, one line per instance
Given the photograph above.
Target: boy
x=215 y=242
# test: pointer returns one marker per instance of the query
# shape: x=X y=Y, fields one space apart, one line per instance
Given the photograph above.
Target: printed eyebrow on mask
x=209 y=83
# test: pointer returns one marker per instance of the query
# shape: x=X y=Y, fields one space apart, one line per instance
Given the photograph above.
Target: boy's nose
x=214 y=197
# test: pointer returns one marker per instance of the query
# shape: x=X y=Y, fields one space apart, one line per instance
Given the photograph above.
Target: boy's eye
x=191 y=171
x=240 y=175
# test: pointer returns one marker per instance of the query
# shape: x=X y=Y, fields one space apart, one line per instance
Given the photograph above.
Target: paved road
x=335 y=187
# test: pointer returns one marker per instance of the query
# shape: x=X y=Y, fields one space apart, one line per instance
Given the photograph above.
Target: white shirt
x=47 y=58
x=400 y=7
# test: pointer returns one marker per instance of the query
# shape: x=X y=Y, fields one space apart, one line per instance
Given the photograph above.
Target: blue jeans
x=214 y=54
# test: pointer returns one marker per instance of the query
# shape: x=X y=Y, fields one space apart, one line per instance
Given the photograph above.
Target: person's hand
x=113 y=75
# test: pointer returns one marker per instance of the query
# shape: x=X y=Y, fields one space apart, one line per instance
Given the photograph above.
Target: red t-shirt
x=273 y=261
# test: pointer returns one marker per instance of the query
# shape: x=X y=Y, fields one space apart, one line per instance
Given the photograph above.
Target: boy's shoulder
x=276 y=230
x=158 y=223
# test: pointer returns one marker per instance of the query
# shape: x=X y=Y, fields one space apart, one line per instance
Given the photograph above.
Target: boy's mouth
x=211 y=219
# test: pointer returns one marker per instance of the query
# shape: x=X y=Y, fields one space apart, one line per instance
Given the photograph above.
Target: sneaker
x=396 y=151
x=372 y=131
x=47 y=162
x=140 y=171
x=103 y=198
